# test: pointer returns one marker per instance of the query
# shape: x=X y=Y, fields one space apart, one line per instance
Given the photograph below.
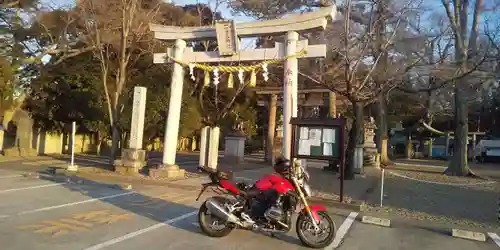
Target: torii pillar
x=289 y=26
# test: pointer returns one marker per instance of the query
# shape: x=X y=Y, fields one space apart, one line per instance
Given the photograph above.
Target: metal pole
x=73 y=131
x=342 y=159
x=382 y=189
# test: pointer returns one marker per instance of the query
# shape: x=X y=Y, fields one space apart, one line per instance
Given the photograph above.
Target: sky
x=226 y=13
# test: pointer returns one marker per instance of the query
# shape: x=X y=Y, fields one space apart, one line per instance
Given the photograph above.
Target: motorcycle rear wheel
x=206 y=222
x=304 y=224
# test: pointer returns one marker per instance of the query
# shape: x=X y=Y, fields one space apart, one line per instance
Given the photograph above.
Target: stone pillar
x=213 y=147
x=473 y=147
x=273 y=100
x=169 y=169
x=447 y=145
x=358 y=159
x=332 y=105
x=290 y=92
x=409 y=148
x=204 y=146
x=134 y=157
x=369 y=146
x=429 y=148
x=234 y=151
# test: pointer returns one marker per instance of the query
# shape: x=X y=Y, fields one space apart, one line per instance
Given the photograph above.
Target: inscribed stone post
x=134 y=157
x=370 y=148
x=138 y=113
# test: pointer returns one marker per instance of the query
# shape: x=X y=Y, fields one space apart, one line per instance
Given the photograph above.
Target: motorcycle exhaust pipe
x=216 y=209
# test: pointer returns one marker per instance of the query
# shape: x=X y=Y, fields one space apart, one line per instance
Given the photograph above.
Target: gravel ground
x=439 y=198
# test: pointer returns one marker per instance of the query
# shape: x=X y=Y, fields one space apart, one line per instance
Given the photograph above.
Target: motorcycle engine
x=274 y=213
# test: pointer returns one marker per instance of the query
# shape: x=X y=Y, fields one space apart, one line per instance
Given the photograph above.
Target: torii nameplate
x=227 y=38
x=309 y=21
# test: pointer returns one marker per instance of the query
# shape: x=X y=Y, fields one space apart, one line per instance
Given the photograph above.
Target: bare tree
x=116 y=32
x=465 y=43
x=356 y=67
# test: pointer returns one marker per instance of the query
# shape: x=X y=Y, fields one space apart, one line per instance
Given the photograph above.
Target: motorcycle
x=267 y=205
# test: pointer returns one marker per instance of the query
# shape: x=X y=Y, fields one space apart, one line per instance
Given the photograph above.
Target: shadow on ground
x=163 y=210
x=472 y=204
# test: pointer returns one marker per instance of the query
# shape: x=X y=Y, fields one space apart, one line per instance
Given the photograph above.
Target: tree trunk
x=115 y=141
x=2 y=135
x=382 y=128
x=115 y=130
x=355 y=138
x=458 y=164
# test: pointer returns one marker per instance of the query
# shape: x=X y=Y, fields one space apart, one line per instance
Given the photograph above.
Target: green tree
x=68 y=92
x=116 y=33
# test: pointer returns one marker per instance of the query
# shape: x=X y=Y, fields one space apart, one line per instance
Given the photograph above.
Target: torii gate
x=289 y=26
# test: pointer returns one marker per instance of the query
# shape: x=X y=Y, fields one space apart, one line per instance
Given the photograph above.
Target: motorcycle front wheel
x=312 y=238
x=211 y=225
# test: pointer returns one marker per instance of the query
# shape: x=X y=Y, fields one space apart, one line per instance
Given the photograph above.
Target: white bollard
x=72 y=166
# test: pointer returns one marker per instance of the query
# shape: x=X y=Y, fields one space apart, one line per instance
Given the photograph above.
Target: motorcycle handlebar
x=216 y=175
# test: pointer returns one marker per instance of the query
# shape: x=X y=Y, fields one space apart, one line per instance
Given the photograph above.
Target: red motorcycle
x=267 y=206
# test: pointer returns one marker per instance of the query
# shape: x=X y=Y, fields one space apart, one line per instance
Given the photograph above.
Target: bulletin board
x=318 y=139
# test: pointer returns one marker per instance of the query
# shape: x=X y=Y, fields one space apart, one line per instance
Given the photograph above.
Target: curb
x=357 y=207
x=469 y=235
x=376 y=221
x=454 y=232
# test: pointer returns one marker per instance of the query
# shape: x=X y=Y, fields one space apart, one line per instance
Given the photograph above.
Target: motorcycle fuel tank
x=280 y=184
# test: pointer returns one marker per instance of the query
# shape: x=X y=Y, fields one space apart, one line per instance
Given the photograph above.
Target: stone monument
x=134 y=157
x=369 y=147
x=209 y=147
x=234 y=150
x=24 y=135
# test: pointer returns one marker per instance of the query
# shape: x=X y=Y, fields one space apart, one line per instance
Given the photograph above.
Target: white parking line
x=495 y=238
x=32 y=187
x=10 y=176
x=76 y=203
x=342 y=231
x=139 y=232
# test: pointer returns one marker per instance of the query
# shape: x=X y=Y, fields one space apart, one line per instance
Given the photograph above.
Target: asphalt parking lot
x=44 y=213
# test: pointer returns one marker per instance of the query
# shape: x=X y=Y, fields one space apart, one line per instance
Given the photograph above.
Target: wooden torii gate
x=289 y=26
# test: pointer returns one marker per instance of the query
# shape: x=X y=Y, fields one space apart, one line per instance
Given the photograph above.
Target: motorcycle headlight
x=307 y=190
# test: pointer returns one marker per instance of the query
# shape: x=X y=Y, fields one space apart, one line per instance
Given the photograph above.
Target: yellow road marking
x=113 y=218
x=78 y=222
x=90 y=215
x=30 y=226
x=56 y=228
